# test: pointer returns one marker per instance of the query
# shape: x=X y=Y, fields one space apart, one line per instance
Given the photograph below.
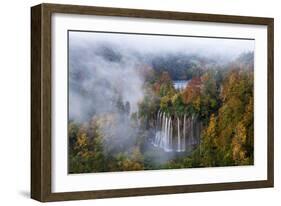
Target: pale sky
x=156 y=43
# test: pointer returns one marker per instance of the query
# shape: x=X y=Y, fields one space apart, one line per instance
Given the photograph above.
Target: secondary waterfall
x=180 y=84
x=176 y=133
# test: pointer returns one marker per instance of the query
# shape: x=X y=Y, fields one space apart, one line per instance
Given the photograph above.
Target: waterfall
x=179 y=137
x=184 y=133
x=168 y=133
x=171 y=135
x=176 y=133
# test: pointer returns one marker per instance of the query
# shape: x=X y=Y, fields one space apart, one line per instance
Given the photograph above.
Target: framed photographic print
x=130 y=102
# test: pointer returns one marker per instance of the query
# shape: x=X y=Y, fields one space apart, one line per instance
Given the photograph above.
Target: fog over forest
x=103 y=67
x=147 y=101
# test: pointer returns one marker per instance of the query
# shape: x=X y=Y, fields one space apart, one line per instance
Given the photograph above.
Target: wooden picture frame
x=41 y=97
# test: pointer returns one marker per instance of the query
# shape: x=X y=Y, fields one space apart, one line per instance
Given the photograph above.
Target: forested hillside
x=207 y=122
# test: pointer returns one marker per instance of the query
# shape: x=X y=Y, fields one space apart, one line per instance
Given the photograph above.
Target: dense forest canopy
x=126 y=111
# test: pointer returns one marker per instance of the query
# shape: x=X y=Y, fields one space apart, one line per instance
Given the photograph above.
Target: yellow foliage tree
x=209 y=144
x=239 y=139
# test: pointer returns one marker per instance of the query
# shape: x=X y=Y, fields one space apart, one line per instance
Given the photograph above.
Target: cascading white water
x=175 y=139
x=179 y=136
x=163 y=136
x=184 y=133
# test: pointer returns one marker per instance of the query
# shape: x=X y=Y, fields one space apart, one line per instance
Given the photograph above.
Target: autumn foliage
x=223 y=100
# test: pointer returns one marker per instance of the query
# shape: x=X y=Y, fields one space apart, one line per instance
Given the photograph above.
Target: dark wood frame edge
x=41 y=101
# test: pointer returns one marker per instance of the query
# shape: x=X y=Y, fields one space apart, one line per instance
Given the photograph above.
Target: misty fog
x=103 y=67
x=140 y=101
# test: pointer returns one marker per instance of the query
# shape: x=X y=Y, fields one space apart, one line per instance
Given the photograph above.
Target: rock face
x=176 y=134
